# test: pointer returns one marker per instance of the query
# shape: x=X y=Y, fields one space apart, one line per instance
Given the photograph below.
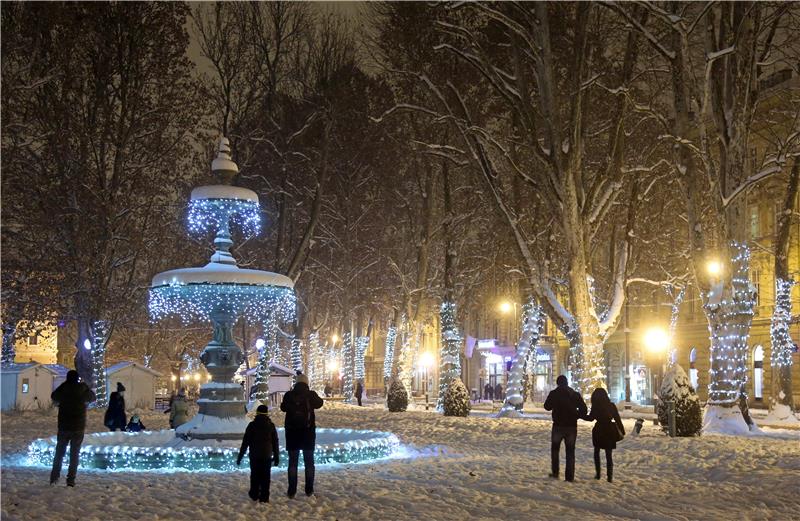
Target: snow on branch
x=670 y=55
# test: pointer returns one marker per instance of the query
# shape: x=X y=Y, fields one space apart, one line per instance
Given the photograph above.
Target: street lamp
x=334 y=338
x=507 y=307
x=657 y=341
x=714 y=268
x=426 y=361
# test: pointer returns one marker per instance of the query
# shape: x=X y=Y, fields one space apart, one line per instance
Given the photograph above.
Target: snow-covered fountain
x=220 y=293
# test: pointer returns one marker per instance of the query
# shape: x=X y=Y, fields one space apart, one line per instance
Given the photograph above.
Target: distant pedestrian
x=328 y=389
x=115 y=417
x=135 y=425
x=606 y=432
x=487 y=392
x=567 y=406
x=261 y=438
x=72 y=396
x=498 y=391
x=179 y=412
x=301 y=431
x=359 y=392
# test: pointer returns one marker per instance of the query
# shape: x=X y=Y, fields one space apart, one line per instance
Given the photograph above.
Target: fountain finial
x=223 y=165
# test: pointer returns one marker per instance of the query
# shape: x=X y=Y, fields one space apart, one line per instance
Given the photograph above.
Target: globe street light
x=714 y=268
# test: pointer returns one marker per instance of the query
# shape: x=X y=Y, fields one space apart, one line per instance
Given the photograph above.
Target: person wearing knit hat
x=261 y=440
x=301 y=431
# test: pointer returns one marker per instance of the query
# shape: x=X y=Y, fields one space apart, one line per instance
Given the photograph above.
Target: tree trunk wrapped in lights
x=782 y=403
x=297 y=355
x=531 y=327
x=450 y=355
x=316 y=363
x=347 y=367
x=729 y=309
x=388 y=360
x=361 y=345
x=98 y=346
x=9 y=347
x=261 y=383
x=408 y=352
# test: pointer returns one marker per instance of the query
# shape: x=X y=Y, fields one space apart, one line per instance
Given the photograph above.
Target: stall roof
x=122 y=365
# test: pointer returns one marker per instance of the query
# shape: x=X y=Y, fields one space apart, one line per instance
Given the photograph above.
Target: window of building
x=693 y=368
x=26 y=385
x=758 y=373
x=33 y=340
x=755 y=225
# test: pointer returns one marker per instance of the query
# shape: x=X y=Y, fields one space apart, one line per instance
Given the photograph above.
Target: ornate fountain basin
x=161 y=451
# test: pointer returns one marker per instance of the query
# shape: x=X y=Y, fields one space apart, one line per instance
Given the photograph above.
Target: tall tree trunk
x=531 y=327
x=782 y=345
x=9 y=341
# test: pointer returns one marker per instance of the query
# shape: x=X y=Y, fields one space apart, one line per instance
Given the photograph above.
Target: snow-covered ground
x=454 y=469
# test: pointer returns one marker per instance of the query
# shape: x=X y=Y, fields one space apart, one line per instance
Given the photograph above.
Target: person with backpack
x=72 y=397
x=301 y=431
x=567 y=406
x=261 y=438
x=606 y=432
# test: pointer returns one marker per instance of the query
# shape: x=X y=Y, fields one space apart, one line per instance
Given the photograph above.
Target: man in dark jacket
x=567 y=406
x=71 y=397
x=115 y=417
x=261 y=438
x=301 y=431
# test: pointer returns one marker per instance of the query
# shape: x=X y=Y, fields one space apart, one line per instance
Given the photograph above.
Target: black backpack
x=299 y=415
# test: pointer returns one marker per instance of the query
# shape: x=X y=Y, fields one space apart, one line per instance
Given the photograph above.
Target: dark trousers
x=569 y=435
x=74 y=439
x=609 y=463
x=308 y=463
x=259 y=479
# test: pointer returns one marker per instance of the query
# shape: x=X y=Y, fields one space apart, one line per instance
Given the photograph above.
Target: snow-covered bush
x=688 y=415
x=456 y=399
x=397 y=399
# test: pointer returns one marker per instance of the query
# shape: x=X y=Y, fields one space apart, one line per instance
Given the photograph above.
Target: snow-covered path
x=456 y=469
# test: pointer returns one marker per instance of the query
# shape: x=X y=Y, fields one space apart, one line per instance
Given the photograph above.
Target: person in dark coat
x=261 y=438
x=498 y=391
x=328 y=389
x=301 y=431
x=488 y=391
x=135 y=425
x=359 y=392
x=567 y=406
x=72 y=397
x=606 y=431
x=115 y=414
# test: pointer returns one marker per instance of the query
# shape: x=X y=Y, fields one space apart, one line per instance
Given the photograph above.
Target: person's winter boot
x=551 y=475
x=597 y=472
x=610 y=475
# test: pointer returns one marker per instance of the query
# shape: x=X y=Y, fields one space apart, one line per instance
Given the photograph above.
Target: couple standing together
x=568 y=406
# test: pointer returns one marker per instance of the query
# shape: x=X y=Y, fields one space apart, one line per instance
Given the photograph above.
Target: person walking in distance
x=261 y=438
x=567 y=406
x=359 y=392
x=301 y=431
x=115 y=414
x=72 y=397
x=606 y=432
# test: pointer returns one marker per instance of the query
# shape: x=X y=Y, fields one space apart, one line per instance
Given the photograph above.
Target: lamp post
x=656 y=339
x=425 y=361
x=507 y=307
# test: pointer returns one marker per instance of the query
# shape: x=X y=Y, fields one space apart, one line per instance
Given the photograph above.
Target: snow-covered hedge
x=456 y=399
x=688 y=414
x=397 y=399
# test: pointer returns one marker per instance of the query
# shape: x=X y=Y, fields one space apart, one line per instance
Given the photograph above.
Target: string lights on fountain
x=99 y=452
x=782 y=345
x=729 y=308
x=531 y=329
x=450 y=355
x=209 y=214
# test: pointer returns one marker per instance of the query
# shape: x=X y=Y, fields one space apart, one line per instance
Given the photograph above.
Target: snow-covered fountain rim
x=220 y=274
x=223 y=192
x=162 y=451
